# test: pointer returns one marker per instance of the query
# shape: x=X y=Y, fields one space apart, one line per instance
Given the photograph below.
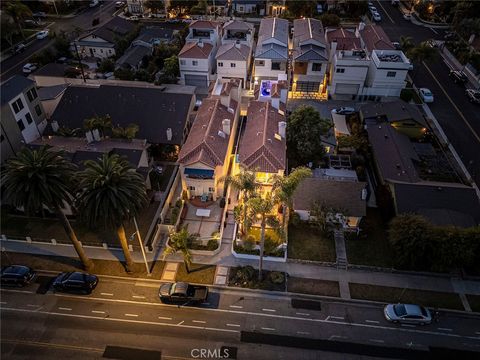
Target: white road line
x=3 y=302
x=106 y=294
x=337 y=337
x=386 y=13
x=18 y=291
x=90 y=317
x=138 y=297
x=372 y=321
x=377 y=340
x=65 y=308
x=199 y=321
x=181 y=322
x=337 y=317
x=236 y=306
x=131 y=315
x=303 y=332
x=32 y=305
x=164 y=318
x=98 y=312
x=435 y=31
x=445 y=329
x=269 y=310
x=477 y=332
x=408 y=325
x=233 y=325
x=206 y=303
x=303 y=314
x=266 y=328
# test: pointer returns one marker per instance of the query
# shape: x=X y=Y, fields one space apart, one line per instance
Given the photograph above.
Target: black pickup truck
x=183 y=293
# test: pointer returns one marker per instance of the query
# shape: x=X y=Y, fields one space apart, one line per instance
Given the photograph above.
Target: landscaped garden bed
x=313 y=286
x=247 y=277
x=199 y=273
x=308 y=243
x=249 y=243
x=388 y=294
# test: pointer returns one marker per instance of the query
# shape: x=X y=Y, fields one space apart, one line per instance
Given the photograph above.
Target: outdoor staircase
x=340 y=250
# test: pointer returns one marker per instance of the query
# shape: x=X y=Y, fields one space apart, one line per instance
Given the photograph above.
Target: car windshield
x=427 y=93
x=424 y=311
x=400 y=310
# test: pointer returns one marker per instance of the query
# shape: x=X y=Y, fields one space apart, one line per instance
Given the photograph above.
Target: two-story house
x=235 y=53
x=197 y=57
x=135 y=7
x=22 y=115
x=205 y=156
x=271 y=53
x=310 y=57
x=248 y=7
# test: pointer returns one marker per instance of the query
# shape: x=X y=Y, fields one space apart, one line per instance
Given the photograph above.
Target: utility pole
x=79 y=61
x=55 y=6
x=141 y=246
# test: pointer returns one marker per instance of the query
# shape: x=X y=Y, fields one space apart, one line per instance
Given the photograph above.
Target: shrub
x=270 y=245
x=178 y=203
x=295 y=219
x=107 y=65
x=244 y=274
x=406 y=95
x=212 y=244
x=249 y=243
x=216 y=234
x=277 y=277
x=124 y=74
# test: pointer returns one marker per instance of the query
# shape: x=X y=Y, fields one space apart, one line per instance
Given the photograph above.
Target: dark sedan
x=17 y=275
x=75 y=282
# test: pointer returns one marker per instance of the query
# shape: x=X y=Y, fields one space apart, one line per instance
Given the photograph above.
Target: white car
x=407 y=313
x=407 y=16
x=42 y=34
x=344 y=110
x=426 y=95
x=28 y=68
x=119 y=4
x=376 y=16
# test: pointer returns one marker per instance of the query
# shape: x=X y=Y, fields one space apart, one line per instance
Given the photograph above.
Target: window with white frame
x=210 y=189
x=220 y=64
x=183 y=62
x=194 y=63
x=340 y=70
x=191 y=188
x=17 y=105
x=20 y=124
x=38 y=110
x=32 y=94
x=233 y=65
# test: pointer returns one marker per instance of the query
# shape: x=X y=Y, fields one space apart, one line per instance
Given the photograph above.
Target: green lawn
x=371 y=246
x=394 y=295
x=256 y=232
x=474 y=301
x=306 y=243
x=313 y=286
x=199 y=273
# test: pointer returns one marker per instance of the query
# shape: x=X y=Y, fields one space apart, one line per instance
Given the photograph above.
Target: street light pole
x=79 y=61
x=141 y=246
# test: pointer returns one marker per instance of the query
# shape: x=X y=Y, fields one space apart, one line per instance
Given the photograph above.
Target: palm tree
x=18 y=12
x=261 y=208
x=111 y=192
x=406 y=43
x=101 y=123
x=35 y=179
x=245 y=182
x=421 y=53
x=284 y=188
x=178 y=242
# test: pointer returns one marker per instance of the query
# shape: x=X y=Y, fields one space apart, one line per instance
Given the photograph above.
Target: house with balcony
x=197 y=57
x=205 y=157
x=310 y=57
x=248 y=7
x=271 y=53
x=235 y=53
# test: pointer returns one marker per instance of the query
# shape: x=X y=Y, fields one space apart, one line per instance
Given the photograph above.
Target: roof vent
x=231 y=110
x=221 y=134
x=169 y=134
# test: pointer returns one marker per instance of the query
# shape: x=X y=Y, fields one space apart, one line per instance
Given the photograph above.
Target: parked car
x=39 y=14
x=344 y=110
x=76 y=282
x=119 y=4
x=458 y=77
x=133 y=18
x=29 y=68
x=31 y=23
x=407 y=313
x=42 y=34
x=93 y=3
x=376 y=16
x=407 y=16
x=17 y=275
x=426 y=95
x=473 y=95
x=432 y=43
x=372 y=8
x=17 y=49
x=183 y=293
x=396 y=45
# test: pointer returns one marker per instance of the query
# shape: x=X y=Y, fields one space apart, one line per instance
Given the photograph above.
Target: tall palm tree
x=406 y=43
x=244 y=182
x=261 y=208
x=35 y=179
x=18 y=12
x=111 y=192
x=421 y=53
x=284 y=188
x=178 y=242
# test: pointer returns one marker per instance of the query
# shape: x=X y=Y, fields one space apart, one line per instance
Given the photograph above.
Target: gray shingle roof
x=272 y=35
x=51 y=92
x=14 y=86
x=115 y=28
x=134 y=55
x=391 y=112
x=153 y=110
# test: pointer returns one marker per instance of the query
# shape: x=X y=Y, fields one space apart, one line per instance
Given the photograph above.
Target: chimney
x=361 y=26
x=55 y=126
x=282 y=127
x=226 y=126
x=169 y=134
x=200 y=43
x=237 y=44
x=89 y=136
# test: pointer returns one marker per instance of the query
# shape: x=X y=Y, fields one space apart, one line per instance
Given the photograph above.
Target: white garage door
x=347 y=89
x=196 y=80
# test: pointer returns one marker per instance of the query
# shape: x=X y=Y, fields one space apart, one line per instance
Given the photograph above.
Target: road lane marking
x=132 y=315
x=236 y=306
x=50 y=345
x=408 y=325
x=138 y=297
x=32 y=305
x=303 y=333
x=199 y=321
x=3 y=302
x=18 y=291
x=233 y=325
x=164 y=318
x=386 y=13
x=181 y=322
x=65 y=308
x=435 y=31
x=445 y=329
x=372 y=321
x=337 y=337
x=477 y=332
x=91 y=317
x=98 y=312
x=451 y=101
x=106 y=294
x=337 y=317
x=267 y=328
x=377 y=341
x=270 y=310
x=304 y=314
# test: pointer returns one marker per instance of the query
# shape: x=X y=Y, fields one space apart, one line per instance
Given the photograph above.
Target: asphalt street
x=459 y=118
x=126 y=312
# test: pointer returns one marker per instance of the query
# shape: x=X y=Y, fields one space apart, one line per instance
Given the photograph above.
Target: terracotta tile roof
x=345 y=38
x=238 y=25
x=204 y=144
x=203 y=24
x=227 y=86
x=277 y=88
x=259 y=149
x=374 y=37
x=232 y=52
x=193 y=51
x=308 y=29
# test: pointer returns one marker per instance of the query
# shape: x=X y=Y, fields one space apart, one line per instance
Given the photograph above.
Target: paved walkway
x=340 y=249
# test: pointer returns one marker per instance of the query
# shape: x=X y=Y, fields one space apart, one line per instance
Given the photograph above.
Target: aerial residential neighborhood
x=240 y=179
